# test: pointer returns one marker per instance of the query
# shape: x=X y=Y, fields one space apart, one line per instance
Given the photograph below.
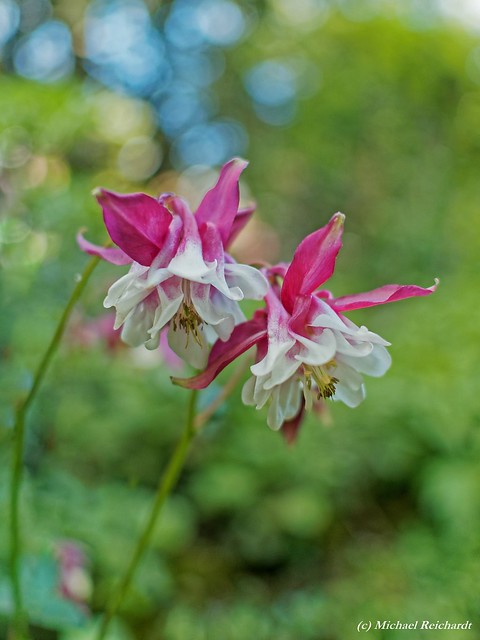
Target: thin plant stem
x=20 y=623
x=230 y=386
x=167 y=482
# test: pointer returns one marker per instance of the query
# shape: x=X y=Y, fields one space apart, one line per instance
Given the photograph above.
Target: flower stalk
x=20 y=623
x=166 y=485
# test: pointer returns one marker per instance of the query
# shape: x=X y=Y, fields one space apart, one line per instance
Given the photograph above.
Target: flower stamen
x=325 y=383
x=187 y=317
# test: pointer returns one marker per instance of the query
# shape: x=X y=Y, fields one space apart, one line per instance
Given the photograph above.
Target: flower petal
x=220 y=313
x=193 y=351
x=291 y=427
x=110 y=254
x=279 y=339
x=313 y=262
x=220 y=204
x=375 y=364
x=170 y=297
x=170 y=244
x=127 y=292
x=137 y=223
x=136 y=327
x=318 y=351
x=254 y=392
x=382 y=295
x=243 y=337
x=214 y=255
x=249 y=280
x=188 y=261
x=286 y=403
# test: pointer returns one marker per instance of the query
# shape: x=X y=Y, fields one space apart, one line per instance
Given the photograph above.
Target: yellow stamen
x=326 y=384
x=187 y=317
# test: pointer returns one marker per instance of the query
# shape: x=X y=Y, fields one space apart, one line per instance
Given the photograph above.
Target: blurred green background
x=371 y=108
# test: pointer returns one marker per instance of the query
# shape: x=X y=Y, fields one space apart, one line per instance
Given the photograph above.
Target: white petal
x=187 y=348
x=362 y=333
x=251 y=281
x=290 y=396
x=217 y=279
x=346 y=373
x=125 y=294
x=156 y=276
x=375 y=364
x=218 y=312
x=275 y=416
x=319 y=350
x=275 y=353
x=352 y=347
x=330 y=321
x=284 y=369
x=136 y=326
x=169 y=303
x=248 y=390
x=351 y=397
x=190 y=264
x=286 y=401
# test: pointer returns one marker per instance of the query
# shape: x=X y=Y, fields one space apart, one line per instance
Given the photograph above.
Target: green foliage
x=46 y=607
x=373 y=516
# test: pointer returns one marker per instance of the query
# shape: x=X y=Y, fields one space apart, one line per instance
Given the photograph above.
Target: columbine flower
x=180 y=274
x=307 y=350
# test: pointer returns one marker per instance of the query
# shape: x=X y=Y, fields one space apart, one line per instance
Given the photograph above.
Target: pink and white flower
x=306 y=348
x=180 y=274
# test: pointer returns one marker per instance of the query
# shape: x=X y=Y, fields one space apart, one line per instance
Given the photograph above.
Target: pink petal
x=212 y=246
x=298 y=323
x=382 y=295
x=279 y=269
x=244 y=336
x=239 y=222
x=313 y=262
x=220 y=204
x=110 y=254
x=170 y=244
x=137 y=223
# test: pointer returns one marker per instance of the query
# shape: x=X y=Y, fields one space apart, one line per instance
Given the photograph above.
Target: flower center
x=326 y=384
x=187 y=317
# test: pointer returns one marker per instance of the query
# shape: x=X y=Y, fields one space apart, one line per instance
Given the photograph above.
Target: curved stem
x=229 y=386
x=166 y=484
x=20 y=625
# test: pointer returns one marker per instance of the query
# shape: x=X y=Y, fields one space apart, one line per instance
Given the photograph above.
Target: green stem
x=167 y=482
x=20 y=626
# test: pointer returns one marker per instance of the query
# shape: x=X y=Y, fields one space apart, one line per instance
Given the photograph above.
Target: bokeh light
x=211 y=143
x=9 y=20
x=46 y=53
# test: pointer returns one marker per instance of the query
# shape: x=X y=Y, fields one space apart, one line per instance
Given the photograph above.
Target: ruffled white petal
x=283 y=370
x=249 y=280
x=137 y=324
x=186 y=347
x=376 y=364
x=170 y=299
x=351 y=397
x=190 y=265
x=285 y=404
x=319 y=350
